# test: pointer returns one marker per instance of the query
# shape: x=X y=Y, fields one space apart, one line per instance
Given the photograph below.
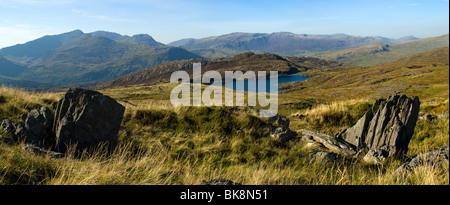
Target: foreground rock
x=333 y=144
x=87 y=119
x=388 y=125
x=431 y=158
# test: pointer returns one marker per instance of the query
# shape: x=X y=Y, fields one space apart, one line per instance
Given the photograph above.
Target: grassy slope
x=159 y=144
x=373 y=55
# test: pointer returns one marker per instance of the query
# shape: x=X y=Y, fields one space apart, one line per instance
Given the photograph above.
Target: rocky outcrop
x=431 y=158
x=83 y=118
x=87 y=118
x=389 y=124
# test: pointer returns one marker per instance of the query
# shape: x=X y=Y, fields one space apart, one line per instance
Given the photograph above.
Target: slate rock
x=323 y=157
x=87 y=119
x=376 y=155
x=431 y=158
x=389 y=123
x=282 y=134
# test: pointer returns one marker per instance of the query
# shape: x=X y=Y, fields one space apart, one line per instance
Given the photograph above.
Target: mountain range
x=377 y=54
x=281 y=43
x=76 y=57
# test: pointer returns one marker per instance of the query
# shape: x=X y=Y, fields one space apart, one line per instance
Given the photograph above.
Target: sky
x=171 y=20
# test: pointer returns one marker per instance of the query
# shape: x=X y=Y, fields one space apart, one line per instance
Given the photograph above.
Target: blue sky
x=170 y=20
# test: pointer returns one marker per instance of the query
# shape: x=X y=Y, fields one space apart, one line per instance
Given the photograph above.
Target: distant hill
x=282 y=43
x=244 y=61
x=425 y=75
x=35 y=48
x=76 y=57
x=377 y=54
x=140 y=39
x=10 y=69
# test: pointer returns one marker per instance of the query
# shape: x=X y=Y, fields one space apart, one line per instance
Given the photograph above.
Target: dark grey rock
x=87 y=119
x=431 y=158
x=280 y=120
x=42 y=152
x=376 y=155
x=282 y=134
x=38 y=124
x=15 y=130
x=323 y=157
x=219 y=182
x=389 y=123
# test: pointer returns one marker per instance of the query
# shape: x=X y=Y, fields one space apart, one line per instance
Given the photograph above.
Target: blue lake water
x=269 y=82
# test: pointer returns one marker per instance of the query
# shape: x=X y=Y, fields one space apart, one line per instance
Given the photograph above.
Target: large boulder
x=87 y=119
x=389 y=124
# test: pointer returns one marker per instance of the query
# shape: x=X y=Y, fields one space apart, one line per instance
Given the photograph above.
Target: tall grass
x=163 y=145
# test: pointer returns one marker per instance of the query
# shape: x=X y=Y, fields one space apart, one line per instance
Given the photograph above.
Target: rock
x=431 y=158
x=333 y=144
x=42 y=152
x=38 y=125
x=389 y=123
x=323 y=157
x=219 y=182
x=282 y=134
x=15 y=130
x=280 y=120
x=376 y=155
x=87 y=119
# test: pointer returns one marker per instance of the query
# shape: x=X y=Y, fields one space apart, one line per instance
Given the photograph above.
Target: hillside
x=32 y=49
x=76 y=57
x=377 y=54
x=9 y=68
x=245 y=61
x=423 y=75
x=281 y=43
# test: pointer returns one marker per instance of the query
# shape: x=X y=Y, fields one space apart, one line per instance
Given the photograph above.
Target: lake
x=285 y=79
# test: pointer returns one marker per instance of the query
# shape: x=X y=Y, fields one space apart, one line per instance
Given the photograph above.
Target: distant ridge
x=244 y=61
x=281 y=43
x=377 y=54
x=76 y=57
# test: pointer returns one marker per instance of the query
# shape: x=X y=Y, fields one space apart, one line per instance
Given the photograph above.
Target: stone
x=38 y=125
x=282 y=134
x=87 y=119
x=42 y=152
x=280 y=120
x=333 y=144
x=219 y=182
x=323 y=157
x=15 y=130
x=376 y=156
x=431 y=158
x=389 y=123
